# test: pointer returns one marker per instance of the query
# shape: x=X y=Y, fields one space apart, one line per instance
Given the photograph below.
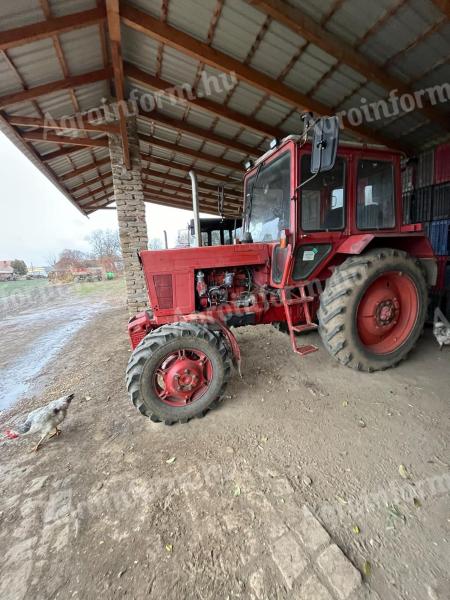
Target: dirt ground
x=120 y=507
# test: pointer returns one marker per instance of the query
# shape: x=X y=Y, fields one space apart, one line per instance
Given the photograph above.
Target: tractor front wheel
x=178 y=372
x=373 y=309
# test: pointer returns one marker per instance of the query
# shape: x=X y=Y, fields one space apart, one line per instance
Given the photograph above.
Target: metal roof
x=284 y=67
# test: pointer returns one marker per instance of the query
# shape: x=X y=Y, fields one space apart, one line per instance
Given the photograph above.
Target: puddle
x=55 y=328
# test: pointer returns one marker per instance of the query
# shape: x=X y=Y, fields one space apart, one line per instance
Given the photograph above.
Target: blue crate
x=437 y=232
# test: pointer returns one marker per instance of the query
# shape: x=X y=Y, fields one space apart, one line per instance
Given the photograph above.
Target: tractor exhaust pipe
x=195 y=206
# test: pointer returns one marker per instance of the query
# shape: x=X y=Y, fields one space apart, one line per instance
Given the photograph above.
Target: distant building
x=37 y=271
x=6 y=270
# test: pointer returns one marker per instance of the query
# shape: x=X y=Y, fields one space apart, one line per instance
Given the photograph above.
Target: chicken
x=441 y=328
x=46 y=419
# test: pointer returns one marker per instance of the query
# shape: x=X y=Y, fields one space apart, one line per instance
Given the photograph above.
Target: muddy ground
x=120 y=507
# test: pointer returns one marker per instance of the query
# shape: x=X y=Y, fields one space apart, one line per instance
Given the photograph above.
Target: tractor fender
x=230 y=338
x=355 y=244
x=415 y=245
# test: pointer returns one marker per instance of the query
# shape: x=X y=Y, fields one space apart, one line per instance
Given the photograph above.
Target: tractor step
x=305 y=349
x=305 y=327
x=294 y=301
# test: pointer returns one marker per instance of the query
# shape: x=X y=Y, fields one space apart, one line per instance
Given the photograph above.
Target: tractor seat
x=334 y=219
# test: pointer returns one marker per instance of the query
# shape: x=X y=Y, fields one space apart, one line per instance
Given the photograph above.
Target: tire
x=157 y=366
x=373 y=309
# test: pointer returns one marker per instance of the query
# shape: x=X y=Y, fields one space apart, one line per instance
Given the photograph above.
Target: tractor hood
x=207 y=257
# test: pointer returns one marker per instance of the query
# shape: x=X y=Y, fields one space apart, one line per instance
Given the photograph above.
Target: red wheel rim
x=387 y=312
x=183 y=377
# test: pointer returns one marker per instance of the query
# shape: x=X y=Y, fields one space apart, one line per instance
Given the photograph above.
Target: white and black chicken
x=46 y=419
x=441 y=328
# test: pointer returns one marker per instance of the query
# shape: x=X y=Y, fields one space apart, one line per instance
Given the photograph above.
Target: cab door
x=282 y=250
x=322 y=215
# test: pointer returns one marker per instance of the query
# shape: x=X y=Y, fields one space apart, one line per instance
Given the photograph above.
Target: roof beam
x=303 y=25
x=162 y=185
x=182 y=42
x=443 y=5
x=198 y=132
x=168 y=200
x=55 y=86
x=85 y=169
x=107 y=190
x=44 y=29
x=219 y=110
x=175 y=203
x=112 y=11
x=162 y=162
x=95 y=200
x=86 y=184
x=196 y=154
x=39 y=136
x=205 y=186
x=58 y=153
x=72 y=123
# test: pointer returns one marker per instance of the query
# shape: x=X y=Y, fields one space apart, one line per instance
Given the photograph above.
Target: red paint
x=387 y=312
x=182 y=377
x=175 y=295
x=442 y=164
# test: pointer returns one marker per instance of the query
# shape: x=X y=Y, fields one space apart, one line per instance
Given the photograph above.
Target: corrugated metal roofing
x=409 y=40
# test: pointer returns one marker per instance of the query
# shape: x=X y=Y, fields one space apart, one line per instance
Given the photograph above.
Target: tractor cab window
x=323 y=198
x=375 y=195
x=267 y=198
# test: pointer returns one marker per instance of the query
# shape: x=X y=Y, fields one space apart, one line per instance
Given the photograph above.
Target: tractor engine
x=215 y=287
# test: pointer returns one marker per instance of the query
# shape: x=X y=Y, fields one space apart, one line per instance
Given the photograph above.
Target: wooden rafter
x=75 y=123
x=156 y=83
x=156 y=160
x=112 y=10
x=159 y=188
x=55 y=86
x=179 y=204
x=309 y=29
x=85 y=205
x=108 y=190
x=162 y=185
x=43 y=29
x=198 y=132
x=196 y=154
x=184 y=181
x=186 y=44
x=67 y=151
x=444 y=6
x=85 y=169
x=43 y=136
x=87 y=184
x=183 y=202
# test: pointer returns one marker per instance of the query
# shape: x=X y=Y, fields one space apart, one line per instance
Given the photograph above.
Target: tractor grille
x=164 y=292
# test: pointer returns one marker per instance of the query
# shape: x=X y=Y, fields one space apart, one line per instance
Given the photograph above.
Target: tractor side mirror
x=324 y=144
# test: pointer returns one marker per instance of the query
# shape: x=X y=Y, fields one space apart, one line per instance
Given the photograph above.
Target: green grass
x=106 y=288
x=8 y=288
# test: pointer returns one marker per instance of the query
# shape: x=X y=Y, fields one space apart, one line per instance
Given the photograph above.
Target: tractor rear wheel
x=373 y=309
x=178 y=372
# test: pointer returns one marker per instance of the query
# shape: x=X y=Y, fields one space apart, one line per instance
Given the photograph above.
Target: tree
x=104 y=243
x=70 y=258
x=51 y=260
x=19 y=266
x=155 y=244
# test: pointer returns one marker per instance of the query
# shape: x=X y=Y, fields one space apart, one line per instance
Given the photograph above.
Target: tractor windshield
x=267 y=199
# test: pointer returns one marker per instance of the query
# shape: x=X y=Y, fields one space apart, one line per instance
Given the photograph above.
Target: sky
x=37 y=221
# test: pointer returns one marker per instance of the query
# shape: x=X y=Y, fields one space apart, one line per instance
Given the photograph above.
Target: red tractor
x=323 y=247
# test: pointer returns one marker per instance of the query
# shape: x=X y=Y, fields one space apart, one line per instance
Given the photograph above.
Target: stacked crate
x=426 y=195
x=426 y=199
